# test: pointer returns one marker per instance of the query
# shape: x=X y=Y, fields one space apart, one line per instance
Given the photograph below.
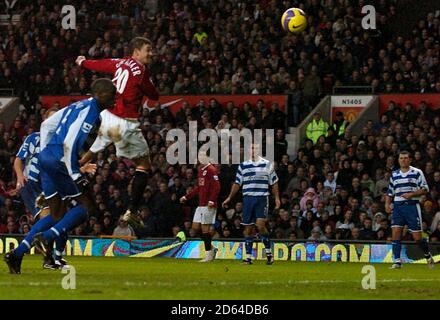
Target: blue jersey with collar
x=28 y=153
x=75 y=125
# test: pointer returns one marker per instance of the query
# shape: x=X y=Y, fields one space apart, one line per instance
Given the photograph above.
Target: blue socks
x=266 y=242
x=72 y=218
x=397 y=248
x=60 y=245
x=249 y=241
x=41 y=225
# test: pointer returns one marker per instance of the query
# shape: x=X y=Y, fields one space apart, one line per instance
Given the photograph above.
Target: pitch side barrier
x=234 y=249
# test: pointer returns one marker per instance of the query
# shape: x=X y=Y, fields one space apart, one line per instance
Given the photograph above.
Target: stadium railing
x=353 y=89
x=6 y=92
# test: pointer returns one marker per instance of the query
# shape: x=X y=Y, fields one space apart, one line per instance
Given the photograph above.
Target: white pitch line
x=222 y=283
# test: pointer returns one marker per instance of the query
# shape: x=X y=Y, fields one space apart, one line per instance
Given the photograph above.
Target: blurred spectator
x=316 y=128
x=340 y=124
x=317 y=235
x=123 y=229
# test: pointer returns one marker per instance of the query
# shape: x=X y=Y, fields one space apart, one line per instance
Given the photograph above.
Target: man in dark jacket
x=367 y=233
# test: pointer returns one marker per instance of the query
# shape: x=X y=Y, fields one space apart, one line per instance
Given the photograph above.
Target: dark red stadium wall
x=433 y=100
x=175 y=103
x=49 y=101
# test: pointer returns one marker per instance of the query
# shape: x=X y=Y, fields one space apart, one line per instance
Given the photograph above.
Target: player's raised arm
x=104 y=65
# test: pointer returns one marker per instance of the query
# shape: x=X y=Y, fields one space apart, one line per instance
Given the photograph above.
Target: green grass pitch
x=167 y=278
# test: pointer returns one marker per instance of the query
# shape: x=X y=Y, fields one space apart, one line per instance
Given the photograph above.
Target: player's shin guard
x=206 y=237
x=249 y=241
x=72 y=218
x=40 y=226
x=397 y=248
x=139 y=183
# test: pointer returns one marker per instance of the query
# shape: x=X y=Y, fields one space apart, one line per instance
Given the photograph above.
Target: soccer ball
x=294 y=20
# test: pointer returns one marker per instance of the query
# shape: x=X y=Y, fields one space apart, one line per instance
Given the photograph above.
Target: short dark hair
x=103 y=85
x=139 y=42
x=405 y=153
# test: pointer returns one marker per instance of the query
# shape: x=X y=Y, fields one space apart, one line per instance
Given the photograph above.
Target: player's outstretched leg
x=73 y=217
x=14 y=258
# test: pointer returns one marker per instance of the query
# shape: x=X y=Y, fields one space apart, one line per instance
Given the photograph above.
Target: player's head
x=256 y=151
x=203 y=157
x=404 y=159
x=142 y=49
x=104 y=91
x=49 y=112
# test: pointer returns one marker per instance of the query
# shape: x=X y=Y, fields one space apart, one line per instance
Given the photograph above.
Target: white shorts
x=205 y=215
x=125 y=134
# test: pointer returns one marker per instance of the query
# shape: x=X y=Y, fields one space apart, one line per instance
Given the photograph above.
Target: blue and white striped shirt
x=28 y=153
x=77 y=121
x=256 y=177
x=410 y=181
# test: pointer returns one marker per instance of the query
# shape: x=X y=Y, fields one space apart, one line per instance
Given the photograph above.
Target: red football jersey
x=208 y=186
x=132 y=82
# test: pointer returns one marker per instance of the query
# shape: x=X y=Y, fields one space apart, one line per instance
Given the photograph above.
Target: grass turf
x=166 y=278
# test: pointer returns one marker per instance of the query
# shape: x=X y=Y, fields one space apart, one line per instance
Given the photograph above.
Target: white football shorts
x=205 y=215
x=125 y=134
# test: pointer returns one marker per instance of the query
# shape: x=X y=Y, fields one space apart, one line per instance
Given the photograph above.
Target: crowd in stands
x=227 y=46
x=333 y=189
